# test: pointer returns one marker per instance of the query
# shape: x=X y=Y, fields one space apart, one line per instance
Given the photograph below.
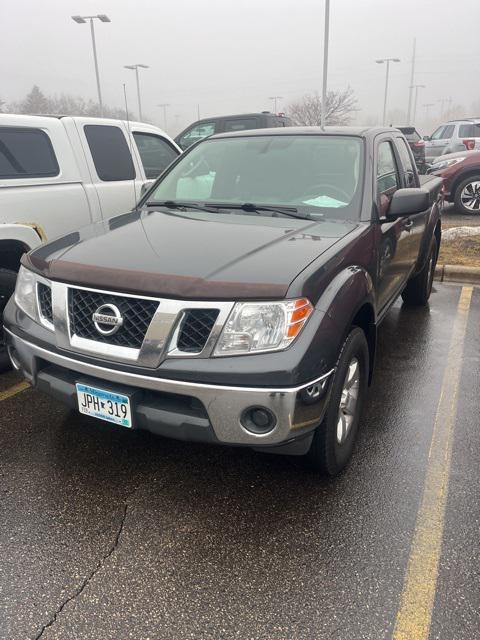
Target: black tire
x=328 y=455
x=418 y=289
x=459 y=205
x=7 y=287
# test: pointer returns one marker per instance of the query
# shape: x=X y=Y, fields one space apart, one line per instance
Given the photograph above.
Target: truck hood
x=195 y=255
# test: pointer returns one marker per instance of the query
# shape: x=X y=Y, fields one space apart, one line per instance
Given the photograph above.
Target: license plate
x=104 y=405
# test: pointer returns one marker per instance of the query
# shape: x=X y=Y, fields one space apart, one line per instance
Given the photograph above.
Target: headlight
x=253 y=327
x=25 y=293
x=445 y=163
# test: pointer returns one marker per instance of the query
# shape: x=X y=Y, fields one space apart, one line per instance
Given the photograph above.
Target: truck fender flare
x=349 y=300
x=433 y=229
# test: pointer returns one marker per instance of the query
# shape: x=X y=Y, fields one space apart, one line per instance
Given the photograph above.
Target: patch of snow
x=460 y=232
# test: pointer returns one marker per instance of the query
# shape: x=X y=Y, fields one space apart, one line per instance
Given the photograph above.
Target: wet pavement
x=451 y=216
x=109 y=534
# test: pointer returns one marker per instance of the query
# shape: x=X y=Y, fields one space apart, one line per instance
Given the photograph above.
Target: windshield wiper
x=291 y=212
x=184 y=206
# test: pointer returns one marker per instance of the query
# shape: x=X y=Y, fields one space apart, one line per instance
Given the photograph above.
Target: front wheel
x=7 y=287
x=334 y=439
x=467 y=196
x=418 y=289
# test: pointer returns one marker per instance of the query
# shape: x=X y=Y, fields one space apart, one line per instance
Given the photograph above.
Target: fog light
x=258 y=420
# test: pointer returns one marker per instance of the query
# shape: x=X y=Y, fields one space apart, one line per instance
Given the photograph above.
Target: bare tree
x=341 y=105
x=36 y=102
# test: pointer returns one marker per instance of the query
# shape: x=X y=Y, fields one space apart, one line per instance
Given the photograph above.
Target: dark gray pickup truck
x=239 y=303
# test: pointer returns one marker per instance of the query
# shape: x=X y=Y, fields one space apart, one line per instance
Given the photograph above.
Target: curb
x=457 y=273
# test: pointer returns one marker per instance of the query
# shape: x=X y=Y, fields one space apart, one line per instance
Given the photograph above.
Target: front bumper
x=183 y=410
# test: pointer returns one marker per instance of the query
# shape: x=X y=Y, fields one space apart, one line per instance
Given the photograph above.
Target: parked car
x=59 y=174
x=417 y=145
x=461 y=179
x=209 y=126
x=239 y=304
x=453 y=136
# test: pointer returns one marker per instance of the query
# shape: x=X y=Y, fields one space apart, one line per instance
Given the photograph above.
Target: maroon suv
x=461 y=176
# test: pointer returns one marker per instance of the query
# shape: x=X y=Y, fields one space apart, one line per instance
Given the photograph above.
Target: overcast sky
x=229 y=56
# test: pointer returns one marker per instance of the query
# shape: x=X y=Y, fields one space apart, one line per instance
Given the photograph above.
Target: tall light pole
x=164 y=106
x=82 y=20
x=136 y=67
x=416 y=87
x=388 y=61
x=275 y=98
x=412 y=80
x=323 y=116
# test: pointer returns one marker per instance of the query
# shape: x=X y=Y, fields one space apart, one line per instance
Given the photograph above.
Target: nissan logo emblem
x=107 y=319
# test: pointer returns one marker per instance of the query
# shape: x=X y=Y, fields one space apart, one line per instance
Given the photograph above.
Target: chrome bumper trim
x=224 y=404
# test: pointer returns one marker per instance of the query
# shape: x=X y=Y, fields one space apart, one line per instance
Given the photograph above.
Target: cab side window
x=387 y=176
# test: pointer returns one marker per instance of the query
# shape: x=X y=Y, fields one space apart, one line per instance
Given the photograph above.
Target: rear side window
x=110 y=152
x=26 y=152
x=469 y=131
x=156 y=153
x=241 y=124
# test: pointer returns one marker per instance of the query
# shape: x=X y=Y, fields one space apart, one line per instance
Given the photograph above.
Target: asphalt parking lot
x=109 y=534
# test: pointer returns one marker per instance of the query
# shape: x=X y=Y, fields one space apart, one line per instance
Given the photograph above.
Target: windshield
x=318 y=175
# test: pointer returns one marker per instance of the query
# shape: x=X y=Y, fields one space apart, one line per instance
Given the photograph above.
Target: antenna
x=131 y=146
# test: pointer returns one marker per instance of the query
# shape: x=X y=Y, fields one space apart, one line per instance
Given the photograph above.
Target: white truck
x=58 y=174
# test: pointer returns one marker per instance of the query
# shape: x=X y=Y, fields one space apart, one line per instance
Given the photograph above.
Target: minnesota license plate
x=104 y=405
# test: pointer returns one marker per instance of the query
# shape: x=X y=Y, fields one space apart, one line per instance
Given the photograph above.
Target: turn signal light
x=300 y=313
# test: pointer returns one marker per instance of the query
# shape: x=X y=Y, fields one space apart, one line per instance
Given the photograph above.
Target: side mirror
x=406 y=202
x=426 y=138
x=145 y=187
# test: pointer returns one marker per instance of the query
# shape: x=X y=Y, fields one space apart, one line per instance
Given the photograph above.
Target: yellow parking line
x=415 y=613
x=17 y=388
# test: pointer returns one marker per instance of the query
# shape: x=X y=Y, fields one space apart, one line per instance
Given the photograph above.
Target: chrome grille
x=137 y=313
x=195 y=329
x=44 y=293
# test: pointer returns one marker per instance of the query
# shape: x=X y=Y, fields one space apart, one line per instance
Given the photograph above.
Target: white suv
x=453 y=136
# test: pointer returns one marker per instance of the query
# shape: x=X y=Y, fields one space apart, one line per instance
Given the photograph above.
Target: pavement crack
x=113 y=546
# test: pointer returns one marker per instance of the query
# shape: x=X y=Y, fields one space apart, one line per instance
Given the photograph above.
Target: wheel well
x=10 y=253
x=461 y=178
x=365 y=320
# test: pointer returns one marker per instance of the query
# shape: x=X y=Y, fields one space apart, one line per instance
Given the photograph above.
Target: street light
x=416 y=87
x=82 y=20
x=323 y=115
x=387 y=60
x=275 y=98
x=164 y=107
x=136 y=67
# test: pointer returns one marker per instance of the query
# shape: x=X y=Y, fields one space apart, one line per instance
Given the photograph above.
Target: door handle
x=408 y=224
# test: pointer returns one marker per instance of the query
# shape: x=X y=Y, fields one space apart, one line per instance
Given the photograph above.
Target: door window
x=407 y=164
x=240 y=124
x=437 y=134
x=387 y=176
x=110 y=152
x=26 y=152
x=448 y=132
x=156 y=153
x=196 y=133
